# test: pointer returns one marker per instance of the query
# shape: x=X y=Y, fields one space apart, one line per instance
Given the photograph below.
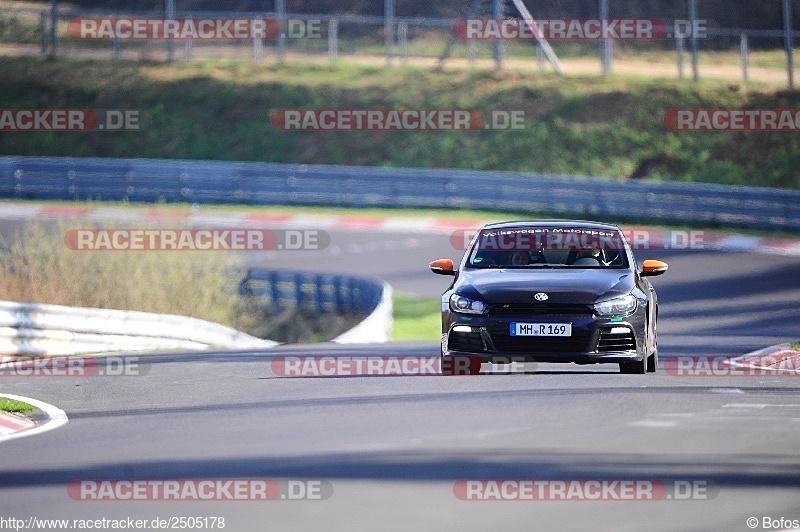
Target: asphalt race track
x=392 y=448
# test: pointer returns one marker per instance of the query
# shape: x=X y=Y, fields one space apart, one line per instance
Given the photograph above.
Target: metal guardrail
x=147 y=180
x=322 y=293
x=34 y=329
x=37 y=329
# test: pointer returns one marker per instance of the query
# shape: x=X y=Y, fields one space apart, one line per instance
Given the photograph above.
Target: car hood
x=565 y=286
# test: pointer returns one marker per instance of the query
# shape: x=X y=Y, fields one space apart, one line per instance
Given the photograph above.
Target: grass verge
x=17 y=407
x=37 y=267
x=416 y=318
x=582 y=125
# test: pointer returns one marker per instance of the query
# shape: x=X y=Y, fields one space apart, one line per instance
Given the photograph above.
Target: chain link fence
x=756 y=42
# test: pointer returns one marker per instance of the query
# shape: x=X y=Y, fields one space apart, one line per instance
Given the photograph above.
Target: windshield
x=548 y=248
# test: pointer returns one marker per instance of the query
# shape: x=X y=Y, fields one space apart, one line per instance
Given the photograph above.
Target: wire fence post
x=280 y=7
x=497 y=45
x=402 y=35
x=53 y=28
x=388 y=30
x=258 y=49
x=605 y=44
x=333 y=39
x=787 y=35
x=679 y=53
x=472 y=51
x=169 y=15
x=693 y=38
x=43 y=32
x=743 y=50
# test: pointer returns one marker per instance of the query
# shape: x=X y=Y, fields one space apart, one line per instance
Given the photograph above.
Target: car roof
x=582 y=224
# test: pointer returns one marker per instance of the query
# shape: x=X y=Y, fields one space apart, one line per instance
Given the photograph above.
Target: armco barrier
x=37 y=329
x=44 y=178
x=321 y=293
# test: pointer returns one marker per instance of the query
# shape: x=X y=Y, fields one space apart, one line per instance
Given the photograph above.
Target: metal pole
x=402 y=30
x=258 y=49
x=333 y=39
x=388 y=30
x=43 y=31
x=169 y=15
x=679 y=53
x=539 y=56
x=53 y=27
x=693 y=38
x=497 y=46
x=605 y=43
x=280 y=8
x=472 y=51
x=787 y=35
x=743 y=49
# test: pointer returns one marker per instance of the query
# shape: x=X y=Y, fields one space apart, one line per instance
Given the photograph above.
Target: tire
x=652 y=360
x=635 y=367
x=453 y=366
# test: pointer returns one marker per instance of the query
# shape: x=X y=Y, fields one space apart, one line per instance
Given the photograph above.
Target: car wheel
x=652 y=360
x=460 y=366
x=636 y=367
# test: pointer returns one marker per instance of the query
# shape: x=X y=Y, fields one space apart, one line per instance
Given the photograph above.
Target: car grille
x=616 y=341
x=547 y=309
x=471 y=342
x=503 y=341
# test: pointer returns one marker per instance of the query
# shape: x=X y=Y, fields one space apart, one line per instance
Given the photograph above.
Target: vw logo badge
x=540 y=296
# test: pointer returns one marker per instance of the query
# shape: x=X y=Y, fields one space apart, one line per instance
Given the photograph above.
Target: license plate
x=541 y=329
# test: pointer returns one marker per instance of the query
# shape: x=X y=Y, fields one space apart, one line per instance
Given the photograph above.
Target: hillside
x=576 y=125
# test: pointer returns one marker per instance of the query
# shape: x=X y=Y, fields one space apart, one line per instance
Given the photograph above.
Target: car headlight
x=466 y=305
x=617 y=306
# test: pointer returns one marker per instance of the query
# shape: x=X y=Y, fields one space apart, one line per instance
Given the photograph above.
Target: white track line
x=57 y=417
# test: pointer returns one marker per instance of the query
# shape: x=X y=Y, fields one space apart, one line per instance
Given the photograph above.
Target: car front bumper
x=594 y=339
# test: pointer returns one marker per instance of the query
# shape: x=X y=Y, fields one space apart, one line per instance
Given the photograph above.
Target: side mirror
x=652 y=267
x=442 y=267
